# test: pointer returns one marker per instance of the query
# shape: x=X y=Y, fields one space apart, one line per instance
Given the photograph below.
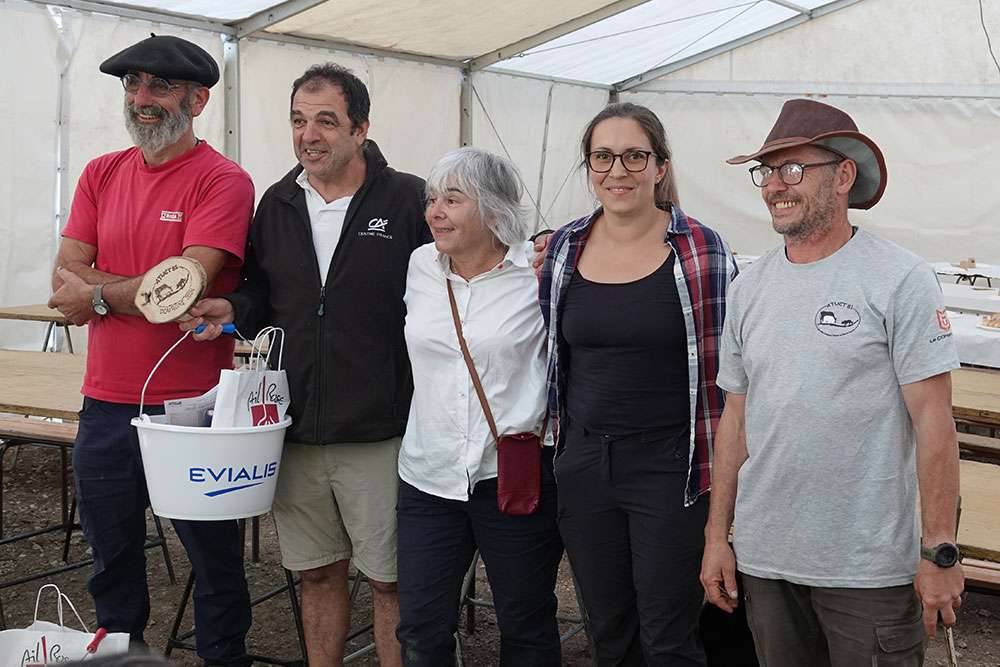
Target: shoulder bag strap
x=468 y=362
x=475 y=376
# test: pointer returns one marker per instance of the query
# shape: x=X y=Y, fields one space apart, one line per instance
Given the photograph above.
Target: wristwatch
x=945 y=554
x=99 y=305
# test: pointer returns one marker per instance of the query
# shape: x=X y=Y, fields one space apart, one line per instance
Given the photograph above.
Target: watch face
x=101 y=309
x=946 y=555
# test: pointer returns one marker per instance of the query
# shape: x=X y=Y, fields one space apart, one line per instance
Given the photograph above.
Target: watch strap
x=98 y=303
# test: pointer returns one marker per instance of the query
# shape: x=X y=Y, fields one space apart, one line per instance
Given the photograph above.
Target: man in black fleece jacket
x=326 y=261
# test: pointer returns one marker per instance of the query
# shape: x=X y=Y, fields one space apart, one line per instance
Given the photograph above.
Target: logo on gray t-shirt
x=837 y=318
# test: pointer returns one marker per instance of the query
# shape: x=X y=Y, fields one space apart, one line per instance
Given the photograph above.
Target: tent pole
x=541 y=166
x=465 y=109
x=231 y=99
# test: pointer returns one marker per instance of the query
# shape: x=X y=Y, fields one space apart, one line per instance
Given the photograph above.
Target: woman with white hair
x=476 y=342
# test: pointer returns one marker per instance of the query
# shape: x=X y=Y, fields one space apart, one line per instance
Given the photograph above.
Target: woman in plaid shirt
x=633 y=296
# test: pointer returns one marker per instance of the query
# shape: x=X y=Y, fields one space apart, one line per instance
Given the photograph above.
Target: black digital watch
x=945 y=554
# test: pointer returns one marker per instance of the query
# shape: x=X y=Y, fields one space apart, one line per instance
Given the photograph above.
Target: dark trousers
x=806 y=626
x=437 y=540
x=112 y=499
x=634 y=547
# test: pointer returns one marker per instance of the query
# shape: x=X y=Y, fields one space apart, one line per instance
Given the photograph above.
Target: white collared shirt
x=448 y=446
x=327 y=222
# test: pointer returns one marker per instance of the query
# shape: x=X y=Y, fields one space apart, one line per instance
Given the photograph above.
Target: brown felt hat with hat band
x=807 y=122
x=165 y=56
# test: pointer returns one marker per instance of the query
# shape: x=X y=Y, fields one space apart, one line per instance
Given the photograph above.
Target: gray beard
x=155 y=138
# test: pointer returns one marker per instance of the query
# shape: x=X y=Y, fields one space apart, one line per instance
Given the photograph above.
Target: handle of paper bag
x=142 y=395
x=59 y=606
x=268 y=333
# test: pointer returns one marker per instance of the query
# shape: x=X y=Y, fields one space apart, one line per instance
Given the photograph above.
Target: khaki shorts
x=338 y=502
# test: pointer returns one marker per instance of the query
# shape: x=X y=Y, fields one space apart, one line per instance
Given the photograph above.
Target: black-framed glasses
x=157 y=87
x=633 y=160
x=790 y=173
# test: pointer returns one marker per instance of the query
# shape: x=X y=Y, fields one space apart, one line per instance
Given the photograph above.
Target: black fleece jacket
x=345 y=356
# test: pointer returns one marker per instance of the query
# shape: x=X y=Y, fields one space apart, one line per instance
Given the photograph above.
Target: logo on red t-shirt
x=171 y=216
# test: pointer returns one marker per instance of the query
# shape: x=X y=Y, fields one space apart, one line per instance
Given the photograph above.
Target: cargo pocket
x=900 y=645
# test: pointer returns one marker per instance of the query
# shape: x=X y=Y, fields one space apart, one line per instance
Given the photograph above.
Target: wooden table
x=41 y=384
x=39 y=313
x=979 y=529
x=975 y=396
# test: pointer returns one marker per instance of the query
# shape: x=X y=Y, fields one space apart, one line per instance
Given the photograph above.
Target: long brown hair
x=665 y=193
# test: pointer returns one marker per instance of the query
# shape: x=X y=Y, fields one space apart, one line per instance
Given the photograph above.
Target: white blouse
x=448 y=446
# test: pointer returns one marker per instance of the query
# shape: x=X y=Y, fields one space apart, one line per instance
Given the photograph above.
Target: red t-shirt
x=138 y=215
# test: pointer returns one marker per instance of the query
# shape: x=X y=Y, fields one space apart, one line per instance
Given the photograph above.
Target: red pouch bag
x=519 y=456
x=519 y=473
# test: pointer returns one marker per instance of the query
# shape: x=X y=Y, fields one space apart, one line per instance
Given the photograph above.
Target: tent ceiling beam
x=168 y=18
x=793 y=6
x=817 y=88
x=360 y=49
x=272 y=15
x=522 y=45
x=546 y=77
x=656 y=72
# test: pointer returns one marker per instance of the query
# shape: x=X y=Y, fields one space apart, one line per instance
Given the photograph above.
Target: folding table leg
x=69 y=529
x=163 y=547
x=173 y=640
x=293 y=598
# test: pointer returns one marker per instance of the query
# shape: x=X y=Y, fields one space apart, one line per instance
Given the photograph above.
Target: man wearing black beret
x=171 y=194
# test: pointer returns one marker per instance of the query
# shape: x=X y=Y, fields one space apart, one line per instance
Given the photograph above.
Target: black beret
x=167 y=57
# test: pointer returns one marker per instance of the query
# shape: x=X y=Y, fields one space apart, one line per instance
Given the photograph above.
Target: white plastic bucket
x=207 y=474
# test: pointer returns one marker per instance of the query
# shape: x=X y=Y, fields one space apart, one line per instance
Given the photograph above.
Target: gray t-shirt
x=828 y=495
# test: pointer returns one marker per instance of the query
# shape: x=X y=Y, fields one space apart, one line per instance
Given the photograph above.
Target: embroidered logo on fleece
x=377 y=227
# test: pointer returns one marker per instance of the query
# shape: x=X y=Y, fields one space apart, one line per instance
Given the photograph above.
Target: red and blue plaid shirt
x=703 y=273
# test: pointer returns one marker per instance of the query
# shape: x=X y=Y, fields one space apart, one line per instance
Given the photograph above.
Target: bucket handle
x=254 y=355
x=142 y=396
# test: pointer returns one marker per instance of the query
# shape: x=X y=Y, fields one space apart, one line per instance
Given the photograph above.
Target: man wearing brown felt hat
x=836 y=360
x=170 y=194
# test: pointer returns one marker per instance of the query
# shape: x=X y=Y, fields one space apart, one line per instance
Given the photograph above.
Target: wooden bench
x=981 y=575
x=23 y=431
x=979 y=447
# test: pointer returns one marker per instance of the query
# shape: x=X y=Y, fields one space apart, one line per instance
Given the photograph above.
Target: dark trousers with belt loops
x=112 y=498
x=635 y=549
x=437 y=539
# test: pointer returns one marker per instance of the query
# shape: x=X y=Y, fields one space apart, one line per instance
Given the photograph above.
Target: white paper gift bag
x=254 y=395
x=46 y=643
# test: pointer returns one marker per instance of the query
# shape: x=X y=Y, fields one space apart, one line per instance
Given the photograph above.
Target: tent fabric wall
x=939 y=155
x=52 y=40
x=508 y=118
x=29 y=91
x=414 y=107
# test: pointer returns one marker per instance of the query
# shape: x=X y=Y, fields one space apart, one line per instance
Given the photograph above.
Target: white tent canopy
x=523 y=78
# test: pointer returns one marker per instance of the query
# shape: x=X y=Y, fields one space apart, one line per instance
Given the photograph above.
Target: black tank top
x=627 y=353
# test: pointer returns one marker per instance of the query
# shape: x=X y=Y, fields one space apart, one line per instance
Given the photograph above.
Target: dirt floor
x=31 y=499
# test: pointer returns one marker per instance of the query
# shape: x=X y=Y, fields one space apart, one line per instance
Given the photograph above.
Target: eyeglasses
x=157 y=87
x=633 y=160
x=790 y=173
